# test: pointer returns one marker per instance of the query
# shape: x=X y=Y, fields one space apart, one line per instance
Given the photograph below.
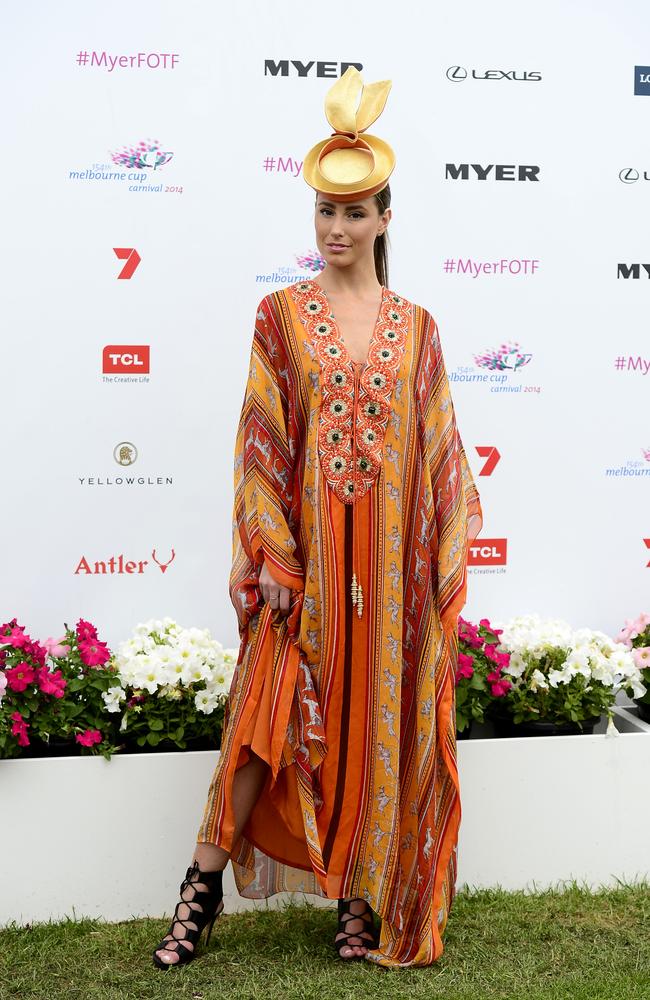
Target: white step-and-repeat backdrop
x=152 y=193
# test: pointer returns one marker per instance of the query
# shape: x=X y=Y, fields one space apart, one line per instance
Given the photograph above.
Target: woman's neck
x=349 y=281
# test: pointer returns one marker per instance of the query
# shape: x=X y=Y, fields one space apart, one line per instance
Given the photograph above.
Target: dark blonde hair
x=381 y=242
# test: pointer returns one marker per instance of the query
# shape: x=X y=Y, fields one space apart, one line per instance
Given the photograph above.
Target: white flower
x=113 y=697
x=594 y=655
x=170 y=692
x=538 y=680
x=206 y=702
x=162 y=657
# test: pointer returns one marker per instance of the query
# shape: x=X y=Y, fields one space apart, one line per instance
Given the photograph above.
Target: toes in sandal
x=203 y=908
x=367 y=938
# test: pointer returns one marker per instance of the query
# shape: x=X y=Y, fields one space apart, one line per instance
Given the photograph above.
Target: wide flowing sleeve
x=264 y=510
x=454 y=497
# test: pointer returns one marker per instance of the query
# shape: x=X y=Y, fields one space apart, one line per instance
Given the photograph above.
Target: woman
x=337 y=774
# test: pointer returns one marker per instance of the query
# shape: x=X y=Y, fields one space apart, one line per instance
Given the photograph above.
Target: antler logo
x=163 y=566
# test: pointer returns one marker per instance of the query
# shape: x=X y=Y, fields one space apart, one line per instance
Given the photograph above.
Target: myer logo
x=118 y=358
x=458 y=73
x=494 y=171
x=642 y=80
x=632 y=270
x=487 y=552
x=294 y=67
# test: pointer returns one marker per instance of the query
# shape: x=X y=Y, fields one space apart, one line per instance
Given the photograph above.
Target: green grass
x=571 y=945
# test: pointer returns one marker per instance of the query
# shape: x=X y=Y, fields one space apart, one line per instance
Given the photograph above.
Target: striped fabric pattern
x=354 y=715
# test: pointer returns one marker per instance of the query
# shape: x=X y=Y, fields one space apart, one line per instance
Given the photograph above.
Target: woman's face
x=346 y=231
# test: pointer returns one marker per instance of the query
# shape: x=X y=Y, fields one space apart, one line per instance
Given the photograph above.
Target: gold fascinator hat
x=347 y=165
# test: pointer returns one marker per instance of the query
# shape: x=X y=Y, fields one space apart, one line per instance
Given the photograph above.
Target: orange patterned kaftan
x=351 y=704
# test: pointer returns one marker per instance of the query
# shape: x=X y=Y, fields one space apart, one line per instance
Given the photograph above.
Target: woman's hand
x=474 y=525
x=273 y=593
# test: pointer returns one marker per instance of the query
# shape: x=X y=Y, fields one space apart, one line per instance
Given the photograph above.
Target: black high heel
x=359 y=939
x=211 y=903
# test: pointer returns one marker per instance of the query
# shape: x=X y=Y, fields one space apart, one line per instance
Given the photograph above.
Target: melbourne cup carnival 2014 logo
x=498 y=369
x=137 y=168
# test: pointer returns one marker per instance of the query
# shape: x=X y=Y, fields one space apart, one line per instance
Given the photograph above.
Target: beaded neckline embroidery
x=343 y=412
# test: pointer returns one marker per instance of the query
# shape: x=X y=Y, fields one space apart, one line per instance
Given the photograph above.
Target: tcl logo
x=487 y=552
x=117 y=358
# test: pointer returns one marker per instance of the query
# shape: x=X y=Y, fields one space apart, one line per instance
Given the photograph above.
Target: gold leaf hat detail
x=346 y=165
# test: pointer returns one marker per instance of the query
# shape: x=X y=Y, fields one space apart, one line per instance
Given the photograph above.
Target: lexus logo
x=458 y=73
x=629 y=175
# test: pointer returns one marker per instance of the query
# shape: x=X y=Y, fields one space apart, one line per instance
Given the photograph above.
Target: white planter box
x=112 y=839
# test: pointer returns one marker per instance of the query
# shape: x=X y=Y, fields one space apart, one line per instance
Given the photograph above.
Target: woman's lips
x=336 y=247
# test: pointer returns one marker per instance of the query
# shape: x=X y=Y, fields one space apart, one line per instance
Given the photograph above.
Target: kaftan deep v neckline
x=355 y=405
x=337 y=326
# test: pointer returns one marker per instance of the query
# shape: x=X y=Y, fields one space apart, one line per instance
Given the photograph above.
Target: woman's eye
x=353 y=215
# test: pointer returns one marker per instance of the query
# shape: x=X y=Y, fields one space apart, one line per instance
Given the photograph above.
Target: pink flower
x=624 y=637
x=491 y=653
x=502 y=659
x=85 y=630
x=19 y=729
x=20 y=676
x=15 y=636
x=3 y=685
x=641 y=656
x=631 y=629
x=465 y=665
x=93 y=652
x=51 y=682
x=56 y=647
x=499 y=686
x=89 y=738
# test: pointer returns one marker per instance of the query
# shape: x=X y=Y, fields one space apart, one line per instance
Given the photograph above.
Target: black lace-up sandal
x=367 y=938
x=204 y=908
